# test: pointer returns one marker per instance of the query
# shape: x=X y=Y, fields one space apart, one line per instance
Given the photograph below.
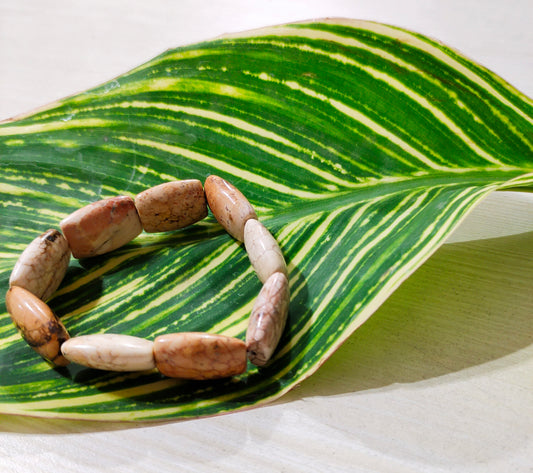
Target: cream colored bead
x=42 y=265
x=110 y=352
x=268 y=319
x=171 y=205
x=37 y=324
x=263 y=250
x=101 y=227
x=198 y=355
x=229 y=206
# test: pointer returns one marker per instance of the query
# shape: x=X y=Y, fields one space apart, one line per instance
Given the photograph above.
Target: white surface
x=440 y=379
x=53 y=48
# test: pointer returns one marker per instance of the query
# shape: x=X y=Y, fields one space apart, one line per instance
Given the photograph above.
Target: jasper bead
x=268 y=319
x=231 y=209
x=199 y=356
x=37 y=324
x=171 y=205
x=111 y=352
x=263 y=250
x=42 y=265
x=102 y=226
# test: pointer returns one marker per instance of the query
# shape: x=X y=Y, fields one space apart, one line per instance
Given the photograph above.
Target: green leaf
x=361 y=146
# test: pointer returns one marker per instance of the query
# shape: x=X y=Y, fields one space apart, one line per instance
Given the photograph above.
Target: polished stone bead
x=42 y=265
x=112 y=352
x=268 y=319
x=37 y=324
x=229 y=206
x=263 y=250
x=102 y=226
x=171 y=205
x=198 y=355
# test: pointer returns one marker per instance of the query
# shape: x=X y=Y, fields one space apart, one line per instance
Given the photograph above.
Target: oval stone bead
x=112 y=352
x=171 y=205
x=268 y=319
x=263 y=250
x=42 y=265
x=231 y=209
x=198 y=355
x=37 y=324
x=102 y=226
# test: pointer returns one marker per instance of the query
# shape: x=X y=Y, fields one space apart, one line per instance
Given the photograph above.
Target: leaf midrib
x=375 y=189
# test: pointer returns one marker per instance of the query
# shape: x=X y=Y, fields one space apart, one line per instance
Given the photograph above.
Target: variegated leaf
x=360 y=145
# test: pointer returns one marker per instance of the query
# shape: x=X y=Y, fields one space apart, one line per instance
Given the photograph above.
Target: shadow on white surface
x=439 y=378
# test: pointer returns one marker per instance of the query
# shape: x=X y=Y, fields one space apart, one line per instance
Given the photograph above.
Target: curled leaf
x=361 y=147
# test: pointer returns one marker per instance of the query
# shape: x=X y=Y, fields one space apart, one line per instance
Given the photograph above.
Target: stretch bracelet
x=108 y=224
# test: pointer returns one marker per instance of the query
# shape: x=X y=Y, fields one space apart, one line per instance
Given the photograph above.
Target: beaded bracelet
x=106 y=225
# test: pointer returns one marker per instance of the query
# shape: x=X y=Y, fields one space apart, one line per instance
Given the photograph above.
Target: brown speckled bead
x=198 y=355
x=268 y=319
x=42 y=265
x=229 y=206
x=171 y=205
x=102 y=226
x=37 y=324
